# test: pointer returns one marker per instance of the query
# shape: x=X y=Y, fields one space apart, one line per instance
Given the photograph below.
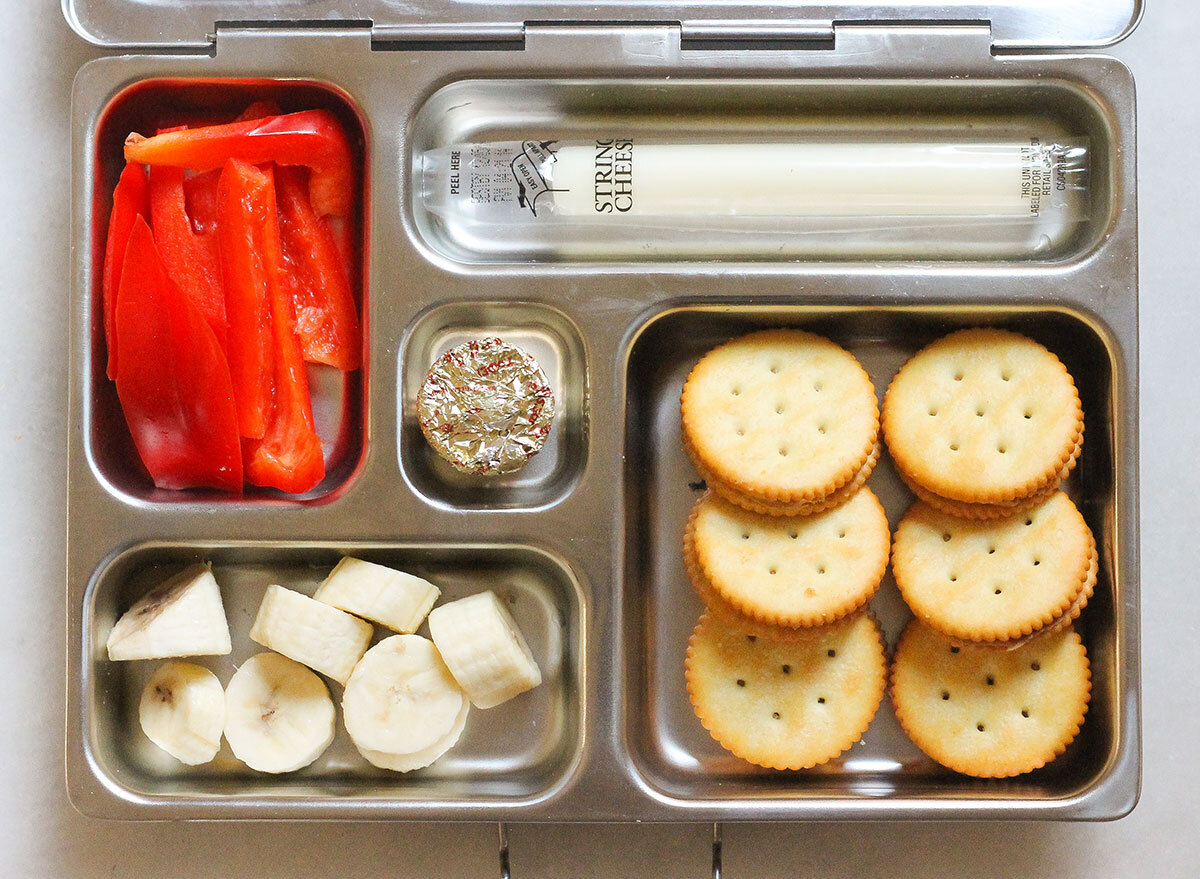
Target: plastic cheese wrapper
x=621 y=197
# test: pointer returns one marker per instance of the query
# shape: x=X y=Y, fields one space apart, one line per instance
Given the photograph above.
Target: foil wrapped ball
x=486 y=407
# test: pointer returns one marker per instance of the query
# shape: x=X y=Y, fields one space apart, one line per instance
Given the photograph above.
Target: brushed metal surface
x=1015 y=23
x=608 y=514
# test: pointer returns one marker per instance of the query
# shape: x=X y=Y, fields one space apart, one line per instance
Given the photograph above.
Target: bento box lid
x=181 y=24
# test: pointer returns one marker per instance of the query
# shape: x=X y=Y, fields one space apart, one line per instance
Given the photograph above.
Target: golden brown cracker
x=992 y=580
x=780 y=415
x=792 y=571
x=786 y=705
x=983 y=416
x=990 y=713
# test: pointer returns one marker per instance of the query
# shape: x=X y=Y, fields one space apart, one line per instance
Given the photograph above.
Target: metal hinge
x=692 y=34
x=230 y=33
x=696 y=35
x=809 y=34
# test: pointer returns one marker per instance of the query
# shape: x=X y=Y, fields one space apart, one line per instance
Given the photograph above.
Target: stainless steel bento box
x=585 y=543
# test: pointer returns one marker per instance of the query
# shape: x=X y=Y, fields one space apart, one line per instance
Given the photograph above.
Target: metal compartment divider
x=608 y=302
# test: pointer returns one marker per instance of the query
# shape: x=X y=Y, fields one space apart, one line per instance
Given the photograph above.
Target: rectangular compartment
x=672 y=752
x=517 y=753
x=338 y=399
x=744 y=111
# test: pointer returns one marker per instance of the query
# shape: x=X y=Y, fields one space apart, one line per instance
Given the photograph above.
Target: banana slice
x=322 y=637
x=402 y=701
x=391 y=598
x=484 y=649
x=182 y=617
x=420 y=759
x=183 y=711
x=278 y=714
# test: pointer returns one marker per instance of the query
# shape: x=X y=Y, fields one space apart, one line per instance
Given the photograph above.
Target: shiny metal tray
x=585 y=542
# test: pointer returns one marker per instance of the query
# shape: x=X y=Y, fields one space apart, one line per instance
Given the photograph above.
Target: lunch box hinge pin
x=231 y=32
x=719 y=35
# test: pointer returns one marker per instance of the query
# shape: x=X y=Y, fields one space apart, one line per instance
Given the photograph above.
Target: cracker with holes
x=781 y=419
x=983 y=417
x=789 y=570
x=990 y=713
x=786 y=704
x=996 y=580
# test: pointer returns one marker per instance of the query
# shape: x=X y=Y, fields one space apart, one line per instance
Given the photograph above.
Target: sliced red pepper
x=241 y=217
x=191 y=259
x=130 y=199
x=201 y=189
x=326 y=321
x=313 y=138
x=259 y=110
x=289 y=456
x=200 y=196
x=172 y=378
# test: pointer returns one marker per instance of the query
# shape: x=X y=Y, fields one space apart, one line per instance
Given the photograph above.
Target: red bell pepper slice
x=200 y=196
x=172 y=378
x=313 y=138
x=259 y=110
x=191 y=259
x=325 y=319
x=130 y=199
x=200 y=190
x=289 y=456
x=241 y=217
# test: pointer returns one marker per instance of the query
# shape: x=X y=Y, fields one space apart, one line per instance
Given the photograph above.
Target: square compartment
x=554 y=341
x=516 y=753
x=671 y=752
x=338 y=399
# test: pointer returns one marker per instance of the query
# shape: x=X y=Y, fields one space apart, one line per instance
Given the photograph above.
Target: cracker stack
x=768 y=575
x=781 y=422
x=997 y=582
x=983 y=423
x=786 y=548
x=990 y=713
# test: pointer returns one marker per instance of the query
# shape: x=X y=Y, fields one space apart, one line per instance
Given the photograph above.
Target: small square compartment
x=338 y=399
x=670 y=751
x=555 y=342
x=517 y=753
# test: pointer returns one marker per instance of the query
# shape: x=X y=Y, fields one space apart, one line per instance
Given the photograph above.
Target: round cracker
x=781 y=415
x=792 y=571
x=1060 y=622
x=983 y=416
x=786 y=704
x=726 y=613
x=990 y=713
x=992 y=580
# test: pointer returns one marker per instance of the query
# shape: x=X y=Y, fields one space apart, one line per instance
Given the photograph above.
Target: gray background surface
x=42 y=836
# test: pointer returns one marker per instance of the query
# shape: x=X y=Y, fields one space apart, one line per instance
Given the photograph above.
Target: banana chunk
x=311 y=632
x=402 y=707
x=182 y=617
x=483 y=648
x=420 y=759
x=183 y=711
x=278 y=714
x=391 y=598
